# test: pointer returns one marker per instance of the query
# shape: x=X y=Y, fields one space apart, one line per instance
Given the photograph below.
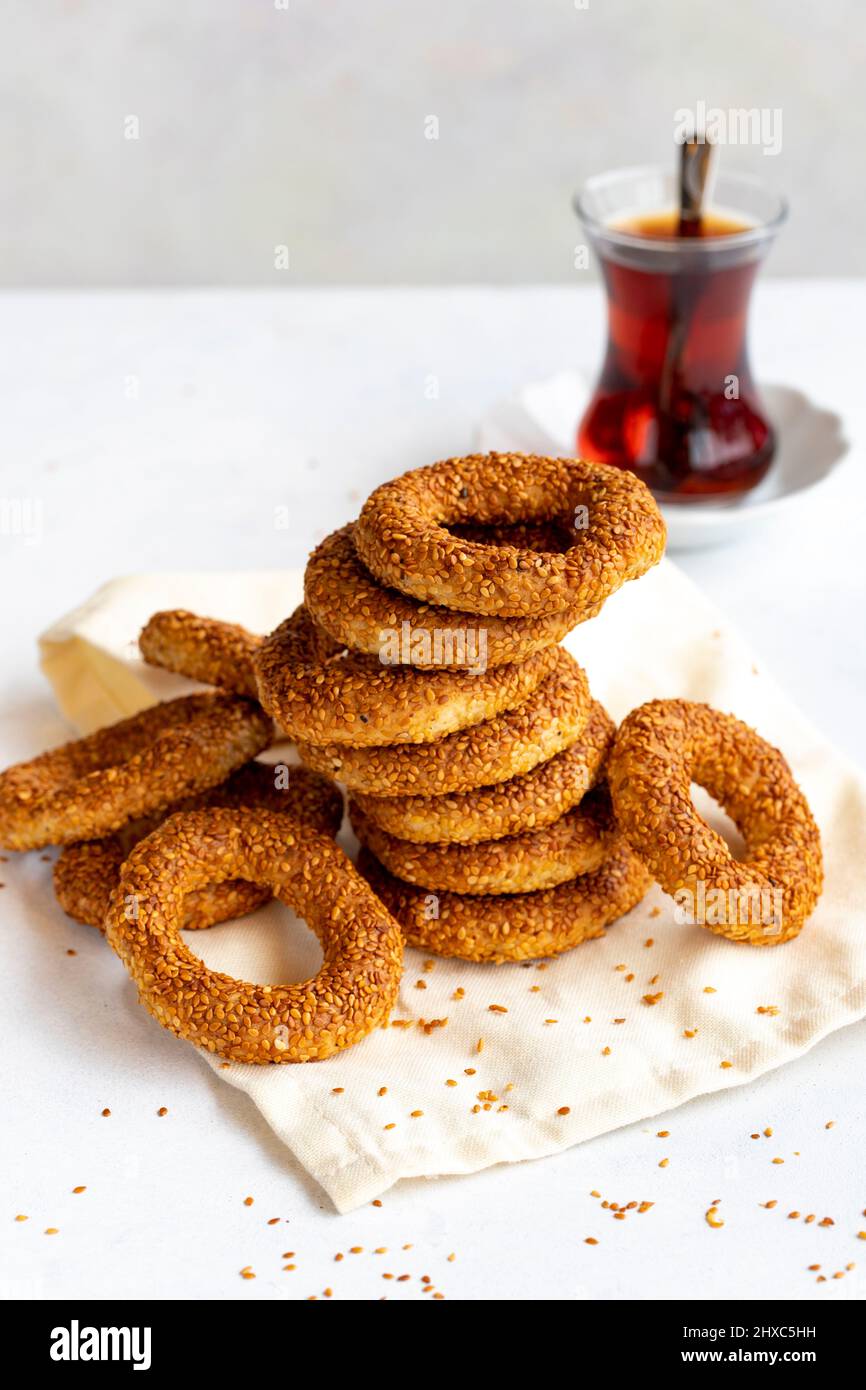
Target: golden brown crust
x=575 y=844
x=401 y=534
x=527 y=802
x=355 y=700
x=89 y=787
x=350 y=996
x=524 y=926
x=546 y=722
x=86 y=873
x=344 y=599
x=203 y=649
x=659 y=751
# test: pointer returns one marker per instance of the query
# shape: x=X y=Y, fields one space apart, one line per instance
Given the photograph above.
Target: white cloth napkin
x=657 y=637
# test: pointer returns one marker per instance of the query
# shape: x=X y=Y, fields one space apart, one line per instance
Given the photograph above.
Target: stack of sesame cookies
x=468 y=739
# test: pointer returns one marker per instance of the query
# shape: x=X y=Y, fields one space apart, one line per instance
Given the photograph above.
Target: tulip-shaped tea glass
x=676 y=402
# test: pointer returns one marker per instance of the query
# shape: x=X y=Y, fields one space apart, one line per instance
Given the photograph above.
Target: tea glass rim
x=751 y=235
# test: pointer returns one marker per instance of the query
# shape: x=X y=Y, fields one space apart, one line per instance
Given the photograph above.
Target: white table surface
x=163 y=431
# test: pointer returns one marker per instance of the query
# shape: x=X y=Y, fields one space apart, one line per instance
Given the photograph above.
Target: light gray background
x=304 y=127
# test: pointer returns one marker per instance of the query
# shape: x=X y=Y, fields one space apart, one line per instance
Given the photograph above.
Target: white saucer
x=543 y=419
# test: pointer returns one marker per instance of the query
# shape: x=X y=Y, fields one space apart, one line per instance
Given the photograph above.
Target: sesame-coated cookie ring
x=528 y=802
x=659 y=751
x=86 y=873
x=353 y=699
x=575 y=844
x=344 y=599
x=203 y=649
x=89 y=787
x=524 y=926
x=402 y=536
x=550 y=719
x=349 y=997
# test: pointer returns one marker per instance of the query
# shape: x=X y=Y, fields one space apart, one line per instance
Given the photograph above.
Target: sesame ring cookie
x=402 y=536
x=523 y=926
x=354 y=699
x=350 y=996
x=528 y=802
x=344 y=599
x=575 y=844
x=550 y=719
x=203 y=649
x=86 y=873
x=89 y=787
x=659 y=751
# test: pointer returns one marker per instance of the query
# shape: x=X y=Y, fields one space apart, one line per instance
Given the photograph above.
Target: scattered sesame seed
x=22 y=1217
x=564 y=1110
x=590 y=1240
x=382 y=1091
x=497 y=1009
x=415 y=1114
x=662 y=1134
x=337 y=1090
x=664 y=1163
x=725 y=1065
x=162 y=1110
x=106 y=1112
x=605 y=1052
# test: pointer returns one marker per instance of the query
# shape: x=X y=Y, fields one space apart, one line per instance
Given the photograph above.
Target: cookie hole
x=720 y=821
x=272 y=946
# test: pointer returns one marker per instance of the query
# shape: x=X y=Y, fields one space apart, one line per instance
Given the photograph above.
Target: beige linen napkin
x=558 y=1044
